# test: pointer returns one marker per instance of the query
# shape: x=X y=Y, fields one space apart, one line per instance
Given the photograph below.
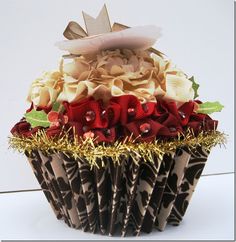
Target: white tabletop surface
x=27 y=215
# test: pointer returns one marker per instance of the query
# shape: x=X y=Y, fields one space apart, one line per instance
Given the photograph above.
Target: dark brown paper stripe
x=36 y=165
x=116 y=172
x=90 y=193
x=157 y=193
x=146 y=182
x=72 y=171
x=192 y=174
x=131 y=174
x=103 y=195
x=174 y=180
x=46 y=160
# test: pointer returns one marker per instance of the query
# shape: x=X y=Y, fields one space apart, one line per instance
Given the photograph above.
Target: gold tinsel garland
x=92 y=152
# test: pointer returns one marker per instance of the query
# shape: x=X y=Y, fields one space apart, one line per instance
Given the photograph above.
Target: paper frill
x=117 y=199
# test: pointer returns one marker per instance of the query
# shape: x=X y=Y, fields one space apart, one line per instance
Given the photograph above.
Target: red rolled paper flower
x=23 y=128
x=112 y=113
x=132 y=109
x=87 y=112
x=201 y=122
x=124 y=115
x=185 y=111
x=146 y=129
x=163 y=107
x=168 y=115
x=105 y=135
x=20 y=128
x=53 y=131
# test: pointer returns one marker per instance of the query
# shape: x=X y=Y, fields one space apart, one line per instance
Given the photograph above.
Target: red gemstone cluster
x=125 y=115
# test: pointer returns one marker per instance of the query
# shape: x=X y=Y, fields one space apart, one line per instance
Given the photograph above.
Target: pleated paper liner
x=115 y=199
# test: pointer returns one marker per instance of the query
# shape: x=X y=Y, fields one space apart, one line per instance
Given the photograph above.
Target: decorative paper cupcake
x=117 y=136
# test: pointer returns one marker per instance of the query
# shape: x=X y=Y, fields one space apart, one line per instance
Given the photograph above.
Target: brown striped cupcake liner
x=116 y=199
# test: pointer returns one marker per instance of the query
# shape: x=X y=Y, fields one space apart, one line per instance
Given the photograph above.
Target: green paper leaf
x=195 y=86
x=209 y=107
x=58 y=107
x=37 y=118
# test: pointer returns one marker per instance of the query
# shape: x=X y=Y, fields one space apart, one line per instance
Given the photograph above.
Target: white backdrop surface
x=197 y=36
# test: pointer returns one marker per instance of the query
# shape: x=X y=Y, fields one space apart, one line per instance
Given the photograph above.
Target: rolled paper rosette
x=110 y=74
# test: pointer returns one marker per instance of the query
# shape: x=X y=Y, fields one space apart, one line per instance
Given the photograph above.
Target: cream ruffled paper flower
x=178 y=88
x=113 y=73
x=45 y=90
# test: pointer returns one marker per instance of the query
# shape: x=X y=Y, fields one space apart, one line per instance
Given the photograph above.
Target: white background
x=197 y=36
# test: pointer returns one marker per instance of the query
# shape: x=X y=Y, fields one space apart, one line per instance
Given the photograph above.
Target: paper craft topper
x=99 y=25
x=100 y=35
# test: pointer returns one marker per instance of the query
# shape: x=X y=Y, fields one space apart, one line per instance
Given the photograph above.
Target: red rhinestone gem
x=145 y=128
x=172 y=129
x=107 y=132
x=90 y=116
x=131 y=111
x=103 y=114
x=85 y=128
x=182 y=114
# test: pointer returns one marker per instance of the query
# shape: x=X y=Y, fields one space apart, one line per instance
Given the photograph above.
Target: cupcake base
x=117 y=198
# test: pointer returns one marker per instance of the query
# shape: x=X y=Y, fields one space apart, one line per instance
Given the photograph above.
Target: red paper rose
x=146 y=129
x=123 y=116
x=132 y=109
x=201 y=122
x=185 y=111
x=53 y=131
x=23 y=128
x=105 y=135
x=87 y=113
x=112 y=113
